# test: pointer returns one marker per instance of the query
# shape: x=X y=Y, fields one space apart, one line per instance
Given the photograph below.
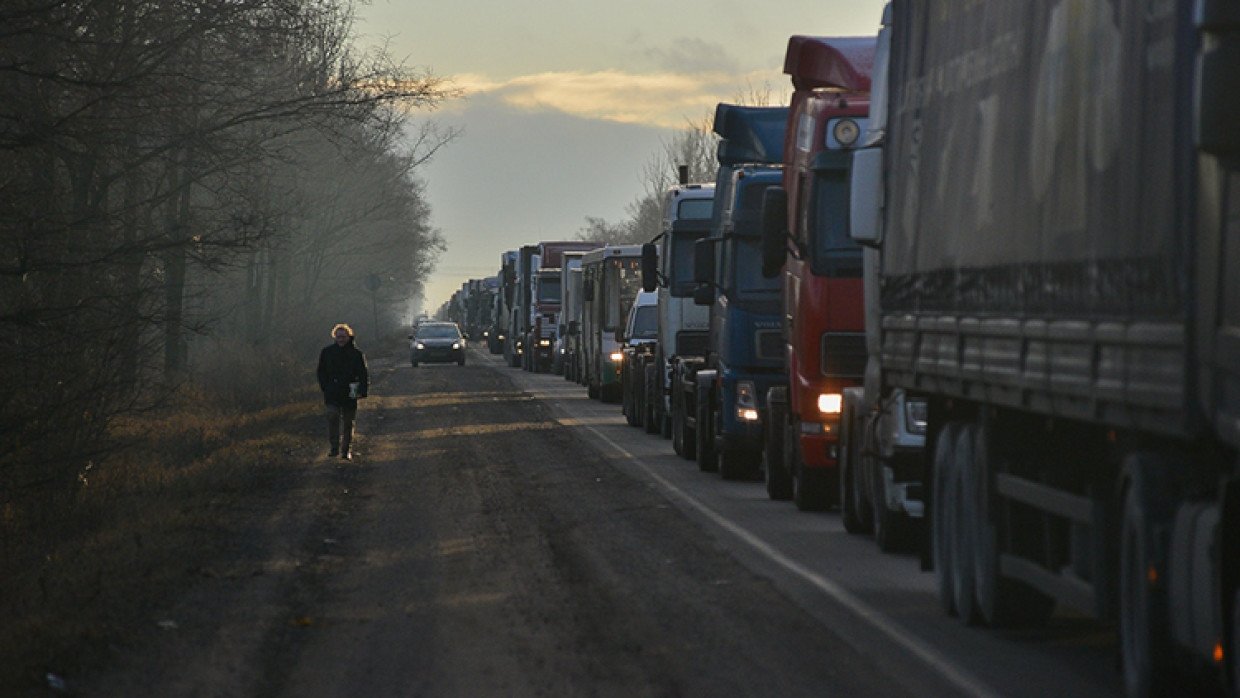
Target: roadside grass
x=80 y=570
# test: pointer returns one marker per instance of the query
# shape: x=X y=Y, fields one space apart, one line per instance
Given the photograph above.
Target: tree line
x=189 y=182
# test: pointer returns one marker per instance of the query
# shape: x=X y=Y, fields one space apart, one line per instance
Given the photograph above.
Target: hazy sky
x=569 y=99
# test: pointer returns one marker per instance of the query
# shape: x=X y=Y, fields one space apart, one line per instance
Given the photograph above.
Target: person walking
x=343 y=378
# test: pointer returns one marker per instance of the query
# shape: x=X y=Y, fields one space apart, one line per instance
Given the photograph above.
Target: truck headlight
x=830 y=403
x=746 y=401
x=544 y=342
x=456 y=345
x=420 y=345
x=916 y=414
x=617 y=356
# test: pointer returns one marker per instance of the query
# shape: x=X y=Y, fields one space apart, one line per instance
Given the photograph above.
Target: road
x=501 y=534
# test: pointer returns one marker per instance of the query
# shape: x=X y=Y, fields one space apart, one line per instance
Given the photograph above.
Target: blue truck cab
x=745 y=348
x=722 y=395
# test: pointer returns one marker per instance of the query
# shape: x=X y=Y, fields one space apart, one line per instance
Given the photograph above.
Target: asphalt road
x=501 y=534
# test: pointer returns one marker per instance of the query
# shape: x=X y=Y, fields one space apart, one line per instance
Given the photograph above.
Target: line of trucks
x=978 y=287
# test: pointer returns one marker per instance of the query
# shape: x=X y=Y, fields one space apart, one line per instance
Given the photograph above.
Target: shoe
x=333 y=453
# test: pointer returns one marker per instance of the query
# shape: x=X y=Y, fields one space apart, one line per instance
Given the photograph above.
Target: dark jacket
x=338 y=367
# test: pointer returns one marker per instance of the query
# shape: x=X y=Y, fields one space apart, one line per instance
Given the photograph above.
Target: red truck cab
x=823 y=312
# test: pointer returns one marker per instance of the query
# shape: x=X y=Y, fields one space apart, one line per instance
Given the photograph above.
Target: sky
x=566 y=101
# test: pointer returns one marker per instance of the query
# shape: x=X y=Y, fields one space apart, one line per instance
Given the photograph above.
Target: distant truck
x=611 y=281
x=1051 y=192
x=682 y=327
x=568 y=320
x=501 y=330
x=522 y=306
x=541 y=323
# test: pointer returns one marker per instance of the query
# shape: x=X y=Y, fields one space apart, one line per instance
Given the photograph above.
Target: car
x=436 y=341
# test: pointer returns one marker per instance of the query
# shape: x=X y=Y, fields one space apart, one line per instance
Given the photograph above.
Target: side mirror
x=650 y=267
x=704 y=295
x=774 y=231
x=704 y=261
x=865 y=204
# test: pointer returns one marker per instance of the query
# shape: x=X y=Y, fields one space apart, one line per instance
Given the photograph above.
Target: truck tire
x=704 y=435
x=628 y=395
x=1144 y=623
x=653 y=420
x=941 y=537
x=855 y=508
x=811 y=490
x=1001 y=601
x=963 y=520
x=592 y=390
x=778 y=484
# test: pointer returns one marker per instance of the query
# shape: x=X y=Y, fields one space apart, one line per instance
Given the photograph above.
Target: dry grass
x=78 y=568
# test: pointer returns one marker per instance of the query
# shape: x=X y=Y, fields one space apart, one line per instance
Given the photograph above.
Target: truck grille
x=843 y=354
x=770 y=344
x=691 y=343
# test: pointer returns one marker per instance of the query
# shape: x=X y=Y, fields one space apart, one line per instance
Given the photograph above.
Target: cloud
x=694 y=56
x=659 y=99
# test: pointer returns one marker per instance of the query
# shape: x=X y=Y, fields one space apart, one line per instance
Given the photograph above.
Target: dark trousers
x=340 y=426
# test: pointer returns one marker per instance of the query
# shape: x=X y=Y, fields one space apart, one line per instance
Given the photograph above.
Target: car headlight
x=830 y=403
x=544 y=342
x=617 y=356
x=916 y=414
x=500 y=337
x=419 y=345
x=456 y=345
x=486 y=333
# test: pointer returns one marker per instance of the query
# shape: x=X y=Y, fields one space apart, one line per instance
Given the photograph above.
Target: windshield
x=680 y=282
x=438 y=332
x=623 y=281
x=694 y=209
x=646 y=323
x=549 y=289
x=743 y=265
x=833 y=251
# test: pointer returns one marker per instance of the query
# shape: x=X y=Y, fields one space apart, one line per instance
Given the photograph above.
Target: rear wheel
x=855 y=509
x=778 y=484
x=1001 y=601
x=941 y=538
x=811 y=490
x=1143 y=616
x=963 y=533
x=704 y=435
x=653 y=421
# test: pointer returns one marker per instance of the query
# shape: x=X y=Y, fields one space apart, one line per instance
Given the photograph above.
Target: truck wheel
x=704 y=436
x=628 y=398
x=1143 y=617
x=940 y=524
x=778 y=484
x=592 y=391
x=678 y=429
x=855 y=508
x=653 y=421
x=963 y=520
x=1002 y=602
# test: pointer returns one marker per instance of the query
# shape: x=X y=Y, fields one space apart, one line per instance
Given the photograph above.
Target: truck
x=610 y=282
x=823 y=322
x=638 y=341
x=667 y=263
x=521 y=309
x=718 y=401
x=1050 y=189
x=568 y=322
x=541 y=325
x=501 y=329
